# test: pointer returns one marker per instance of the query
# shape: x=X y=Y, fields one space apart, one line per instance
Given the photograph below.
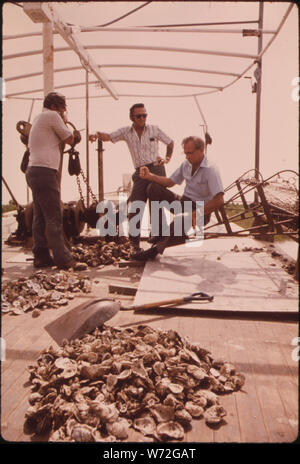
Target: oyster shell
x=170 y=430
x=214 y=415
x=194 y=409
x=82 y=433
x=119 y=429
x=97 y=387
x=146 y=425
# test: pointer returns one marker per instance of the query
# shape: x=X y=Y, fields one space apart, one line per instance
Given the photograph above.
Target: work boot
x=153 y=239
x=68 y=265
x=42 y=258
x=151 y=253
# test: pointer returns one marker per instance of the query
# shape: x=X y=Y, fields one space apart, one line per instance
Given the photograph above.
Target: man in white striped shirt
x=143 y=143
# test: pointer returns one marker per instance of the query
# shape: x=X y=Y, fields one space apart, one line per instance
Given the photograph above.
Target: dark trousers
x=139 y=193
x=159 y=193
x=47 y=214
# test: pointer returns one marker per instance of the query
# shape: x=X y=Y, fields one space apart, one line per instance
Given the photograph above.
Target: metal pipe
x=10 y=192
x=28 y=120
x=170 y=68
x=277 y=31
x=136 y=47
x=100 y=171
x=120 y=81
x=87 y=137
x=258 y=98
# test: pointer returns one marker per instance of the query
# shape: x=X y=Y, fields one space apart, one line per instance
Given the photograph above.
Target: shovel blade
x=82 y=320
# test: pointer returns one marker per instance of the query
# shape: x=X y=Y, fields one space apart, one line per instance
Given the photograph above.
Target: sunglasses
x=139 y=116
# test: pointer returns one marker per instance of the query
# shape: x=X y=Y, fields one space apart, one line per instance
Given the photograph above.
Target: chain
x=88 y=187
x=80 y=189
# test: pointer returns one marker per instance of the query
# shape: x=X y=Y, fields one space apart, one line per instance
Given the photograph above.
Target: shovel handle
x=200 y=296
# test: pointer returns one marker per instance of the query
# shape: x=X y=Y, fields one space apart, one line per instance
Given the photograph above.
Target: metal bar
x=266 y=206
x=120 y=81
x=100 y=170
x=136 y=47
x=166 y=29
x=225 y=220
x=277 y=31
x=87 y=137
x=28 y=120
x=148 y=66
x=181 y=84
x=123 y=95
x=205 y=24
x=258 y=97
x=141 y=29
x=245 y=204
x=30 y=112
x=10 y=192
x=200 y=111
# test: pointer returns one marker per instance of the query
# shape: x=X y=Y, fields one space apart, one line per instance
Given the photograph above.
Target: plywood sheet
x=239 y=280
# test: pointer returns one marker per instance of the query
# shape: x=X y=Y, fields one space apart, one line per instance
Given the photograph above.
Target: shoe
x=43 y=262
x=42 y=258
x=151 y=253
x=153 y=239
x=67 y=265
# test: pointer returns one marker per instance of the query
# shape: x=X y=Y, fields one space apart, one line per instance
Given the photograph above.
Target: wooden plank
x=285 y=383
x=249 y=410
x=267 y=393
x=122 y=289
x=229 y=432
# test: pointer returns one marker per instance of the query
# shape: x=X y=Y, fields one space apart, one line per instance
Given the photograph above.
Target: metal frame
x=69 y=34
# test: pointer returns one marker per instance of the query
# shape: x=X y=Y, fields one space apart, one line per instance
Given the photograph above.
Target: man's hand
x=77 y=136
x=93 y=137
x=160 y=161
x=144 y=172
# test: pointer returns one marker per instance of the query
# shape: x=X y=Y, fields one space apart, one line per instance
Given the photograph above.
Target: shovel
x=87 y=316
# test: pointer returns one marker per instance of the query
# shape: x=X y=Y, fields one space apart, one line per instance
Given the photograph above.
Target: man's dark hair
x=136 y=105
x=54 y=98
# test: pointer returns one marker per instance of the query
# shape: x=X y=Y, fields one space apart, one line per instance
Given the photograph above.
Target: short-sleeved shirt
x=143 y=150
x=203 y=185
x=47 y=132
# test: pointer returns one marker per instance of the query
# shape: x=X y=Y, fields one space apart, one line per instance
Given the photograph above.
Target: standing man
x=48 y=131
x=203 y=183
x=142 y=140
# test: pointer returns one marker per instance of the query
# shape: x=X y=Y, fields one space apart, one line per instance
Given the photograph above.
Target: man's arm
x=100 y=136
x=169 y=152
x=69 y=140
x=161 y=180
x=215 y=203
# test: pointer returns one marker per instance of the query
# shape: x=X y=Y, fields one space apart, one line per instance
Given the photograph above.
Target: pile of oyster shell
x=96 y=251
x=98 y=387
x=42 y=290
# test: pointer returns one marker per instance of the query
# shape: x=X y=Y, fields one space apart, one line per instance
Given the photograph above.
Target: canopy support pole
x=258 y=75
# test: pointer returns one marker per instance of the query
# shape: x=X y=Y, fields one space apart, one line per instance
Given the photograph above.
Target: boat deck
x=263 y=349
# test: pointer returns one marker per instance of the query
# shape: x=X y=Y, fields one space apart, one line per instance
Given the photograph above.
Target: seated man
x=203 y=183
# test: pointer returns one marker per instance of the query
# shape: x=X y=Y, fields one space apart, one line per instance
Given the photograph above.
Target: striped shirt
x=143 y=150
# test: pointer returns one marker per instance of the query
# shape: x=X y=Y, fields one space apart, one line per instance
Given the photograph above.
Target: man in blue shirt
x=203 y=183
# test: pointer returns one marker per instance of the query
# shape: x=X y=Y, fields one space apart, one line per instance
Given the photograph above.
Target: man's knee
x=154 y=191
